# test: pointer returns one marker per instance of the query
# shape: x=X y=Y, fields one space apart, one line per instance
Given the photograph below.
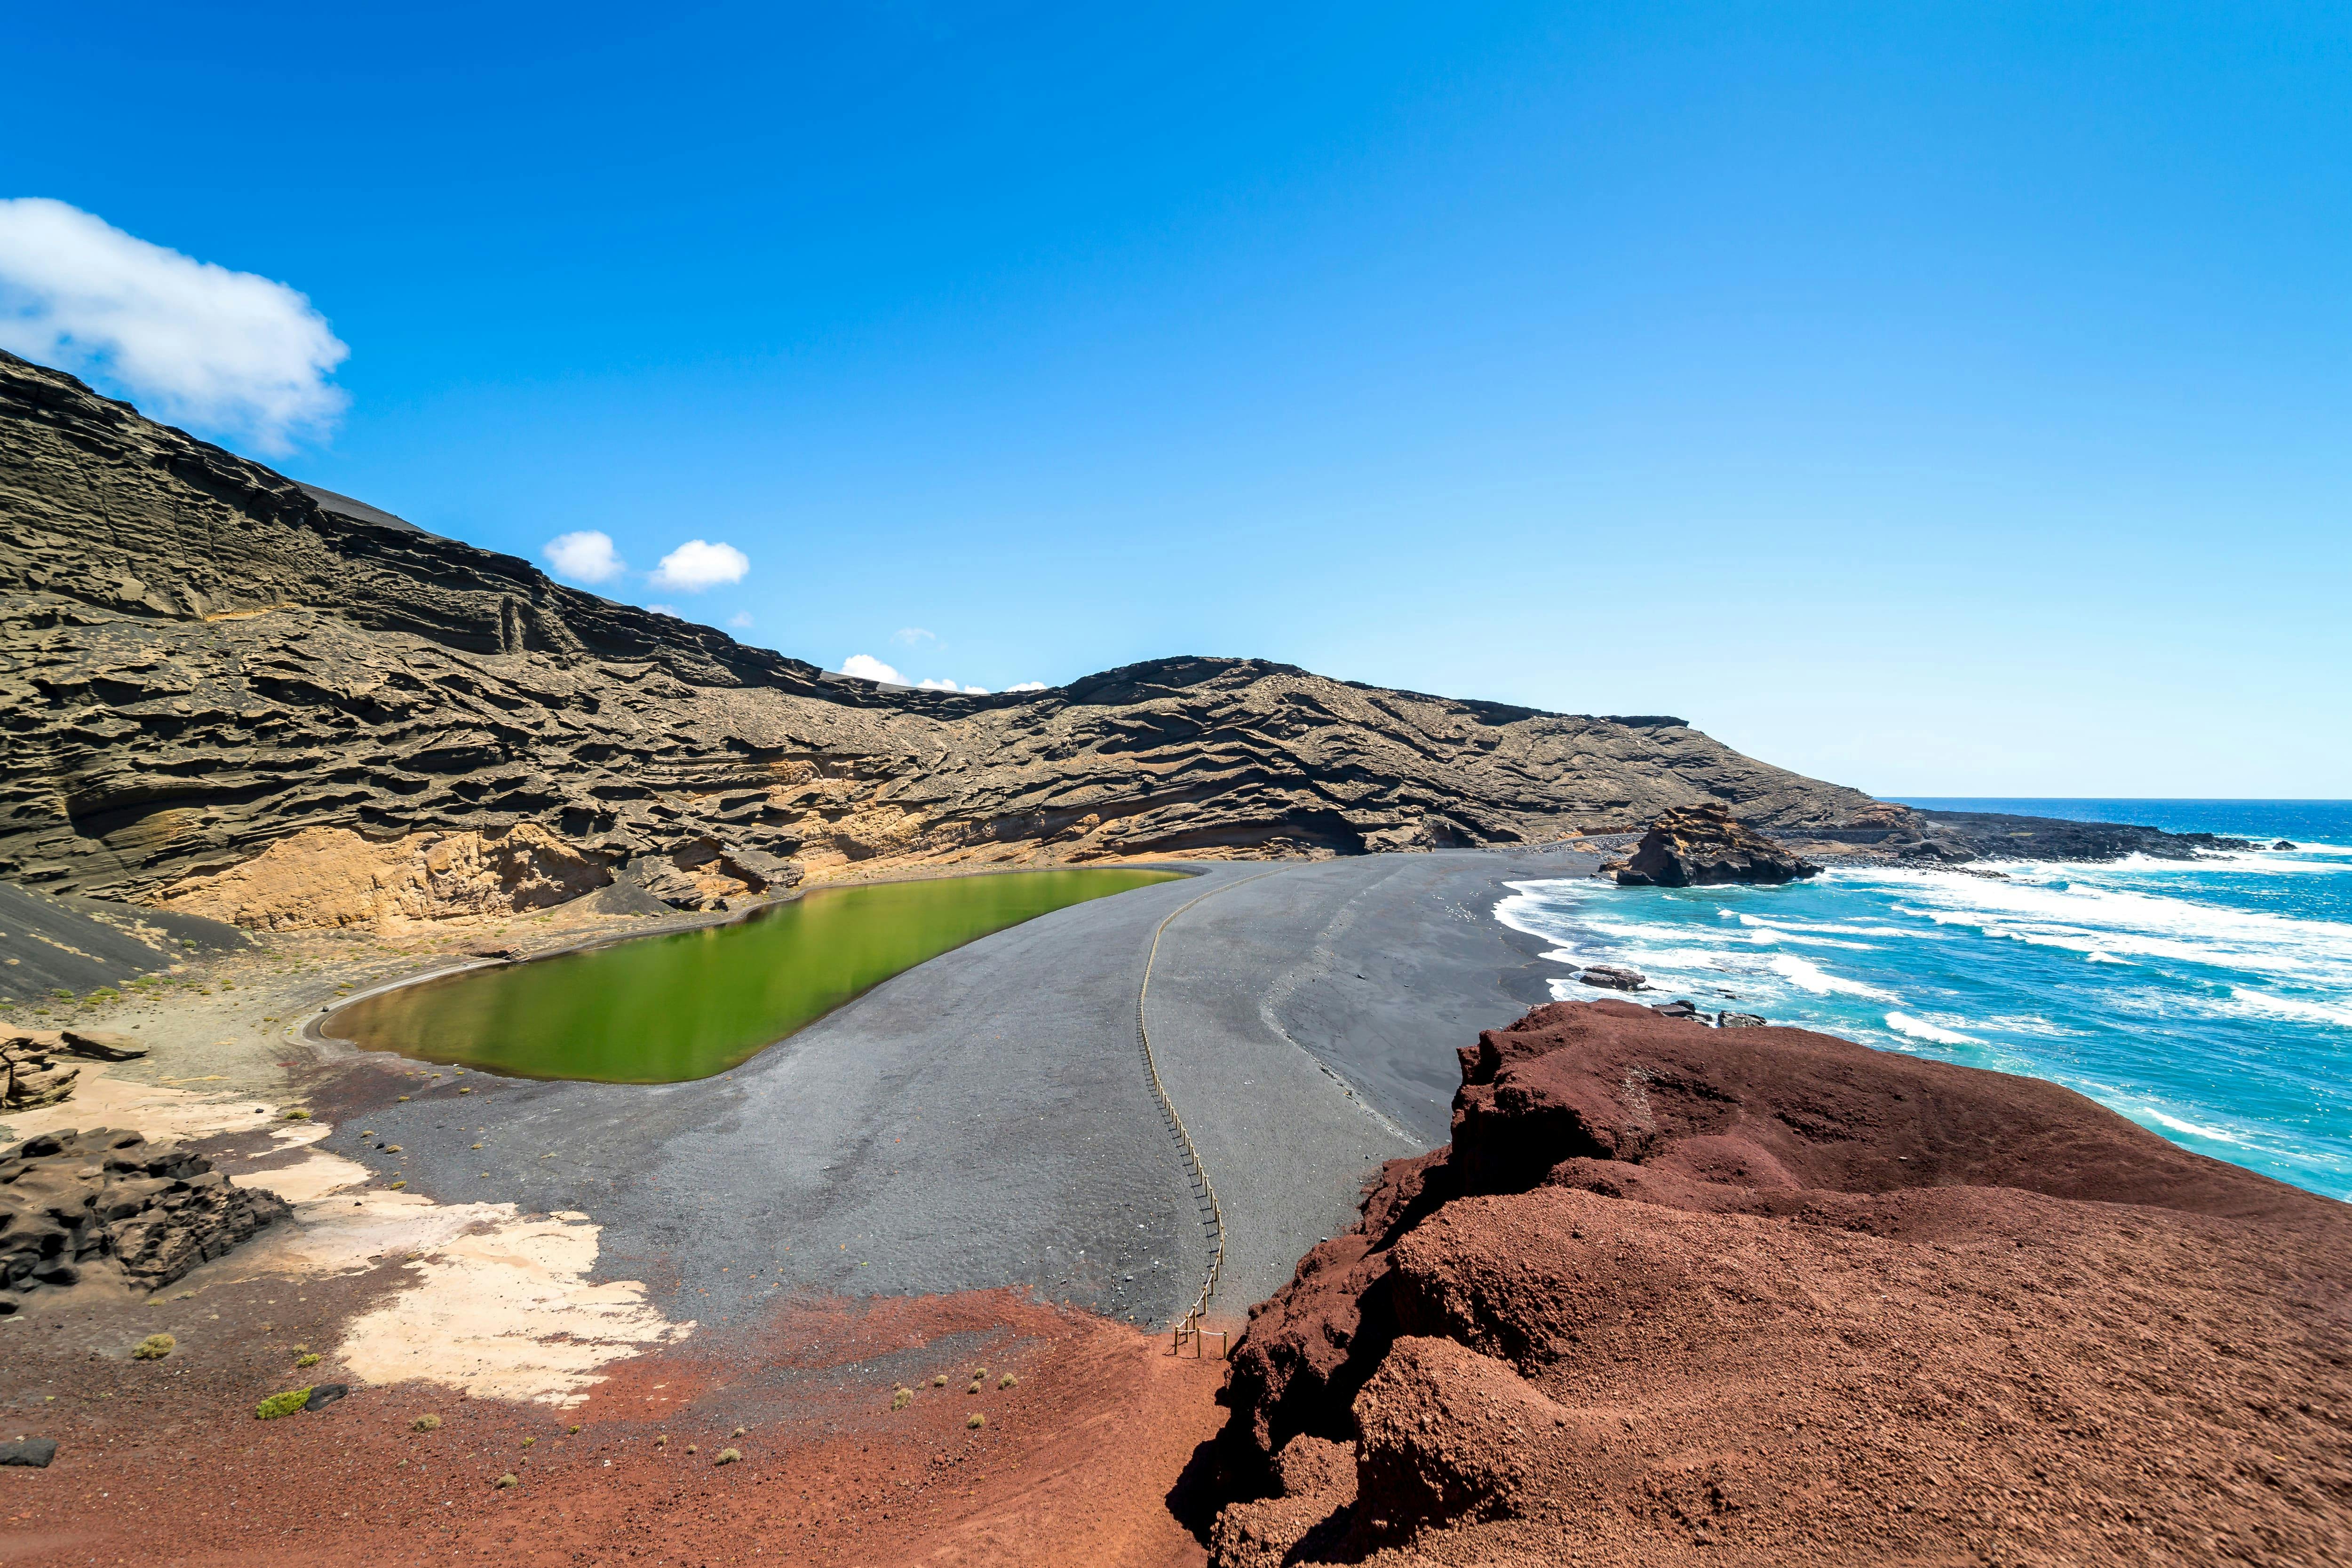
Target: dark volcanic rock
x=1996 y=836
x=69 y=1200
x=206 y=663
x=37 y=1452
x=1696 y=846
x=1676 y=1295
x=1612 y=977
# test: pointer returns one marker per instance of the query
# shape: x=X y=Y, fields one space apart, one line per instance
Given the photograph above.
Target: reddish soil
x=163 y=1462
x=1760 y=1296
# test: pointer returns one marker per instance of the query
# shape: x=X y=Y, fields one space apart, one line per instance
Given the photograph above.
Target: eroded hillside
x=224 y=696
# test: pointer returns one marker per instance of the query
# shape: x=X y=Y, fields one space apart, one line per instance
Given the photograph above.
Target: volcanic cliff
x=1684 y=1295
x=242 y=698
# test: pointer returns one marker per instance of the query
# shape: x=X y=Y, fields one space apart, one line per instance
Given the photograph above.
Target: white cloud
x=665 y=609
x=951 y=686
x=193 y=341
x=866 y=666
x=695 y=566
x=741 y=620
x=1028 y=687
x=585 y=557
x=911 y=635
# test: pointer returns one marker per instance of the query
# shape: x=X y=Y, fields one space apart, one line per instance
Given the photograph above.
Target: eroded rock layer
x=1683 y=1294
x=71 y=1201
x=204 y=663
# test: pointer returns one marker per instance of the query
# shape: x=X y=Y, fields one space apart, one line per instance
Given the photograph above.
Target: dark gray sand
x=985 y=1120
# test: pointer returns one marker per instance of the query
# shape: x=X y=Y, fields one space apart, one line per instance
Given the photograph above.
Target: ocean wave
x=2292 y=1007
x=1920 y=1029
x=1808 y=976
x=2178 y=1126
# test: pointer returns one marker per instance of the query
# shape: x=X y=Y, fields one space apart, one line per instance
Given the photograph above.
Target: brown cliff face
x=203 y=662
x=1676 y=1294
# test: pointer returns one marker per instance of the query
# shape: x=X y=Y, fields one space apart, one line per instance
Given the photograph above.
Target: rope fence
x=1188 y=1327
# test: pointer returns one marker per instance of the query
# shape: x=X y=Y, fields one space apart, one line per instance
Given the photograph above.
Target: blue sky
x=1938 y=399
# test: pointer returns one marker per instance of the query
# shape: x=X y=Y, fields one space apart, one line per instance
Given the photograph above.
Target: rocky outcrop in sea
x=1696 y=846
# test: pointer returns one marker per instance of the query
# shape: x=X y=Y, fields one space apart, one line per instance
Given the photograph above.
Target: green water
x=661 y=1008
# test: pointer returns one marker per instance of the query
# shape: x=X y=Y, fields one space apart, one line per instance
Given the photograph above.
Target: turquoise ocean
x=2209 y=1000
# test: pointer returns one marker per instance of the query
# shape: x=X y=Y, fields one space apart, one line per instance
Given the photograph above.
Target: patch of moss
x=284 y=1404
x=154 y=1347
x=311 y=1359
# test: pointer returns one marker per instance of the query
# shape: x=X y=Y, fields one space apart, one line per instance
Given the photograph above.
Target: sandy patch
x=501 y=1304
x=104 y=1099
x=504 y=1310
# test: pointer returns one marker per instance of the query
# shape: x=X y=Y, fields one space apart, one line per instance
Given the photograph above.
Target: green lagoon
x=657 y=1009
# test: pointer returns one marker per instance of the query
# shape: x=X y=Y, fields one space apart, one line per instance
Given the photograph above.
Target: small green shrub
x=941 y=1381
x=976 y=1422
x=1007 y=1381
x=426 y=1424
x=311 y=1359
x=902 y=1399
x=508 y=1482
x=728 y=1456
x=284 y=1404
x=154 y=1347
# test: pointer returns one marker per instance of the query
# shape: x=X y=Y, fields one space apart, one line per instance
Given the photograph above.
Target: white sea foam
x=1808 y=976
x=1920 y=1029
x=2192 y=1129
x=2292 y=1007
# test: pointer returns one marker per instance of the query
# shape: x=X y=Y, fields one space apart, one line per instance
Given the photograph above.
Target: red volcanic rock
x=1676 y=1294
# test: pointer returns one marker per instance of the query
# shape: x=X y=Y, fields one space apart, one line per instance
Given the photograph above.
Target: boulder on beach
x=1698 y=846
x=1612 y=976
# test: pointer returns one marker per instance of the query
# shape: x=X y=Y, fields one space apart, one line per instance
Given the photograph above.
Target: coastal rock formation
x=69 y=1200
x=207 y=663
x=1678 y=1294
x=1696 y=846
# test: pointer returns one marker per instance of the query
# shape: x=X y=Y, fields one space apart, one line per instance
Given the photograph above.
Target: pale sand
x=498 y=1305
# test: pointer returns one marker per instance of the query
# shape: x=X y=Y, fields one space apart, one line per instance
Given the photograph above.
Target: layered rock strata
x=70 y=1200
x=1681 y=1294
x=206 y=663
x=1698 y=846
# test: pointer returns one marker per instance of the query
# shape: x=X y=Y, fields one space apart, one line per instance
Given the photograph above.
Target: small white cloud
x=229 y=351
x=951 y=686
x=695 y=565
x=1028 y=687
x=585 y=557
x=911 y=635
x=663 y=610
x=741 y=620
x=866 y=666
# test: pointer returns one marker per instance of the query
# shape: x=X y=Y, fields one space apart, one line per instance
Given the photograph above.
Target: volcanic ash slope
x=1678 y=1294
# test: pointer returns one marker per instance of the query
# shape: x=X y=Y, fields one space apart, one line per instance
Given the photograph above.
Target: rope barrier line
x=1205 y=1191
